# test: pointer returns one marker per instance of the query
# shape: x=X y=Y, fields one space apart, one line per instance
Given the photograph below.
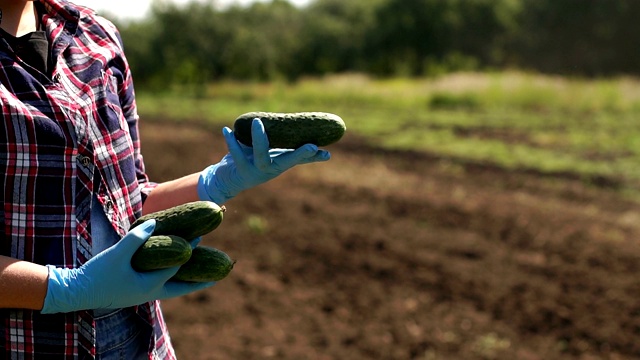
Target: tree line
x=201 y=42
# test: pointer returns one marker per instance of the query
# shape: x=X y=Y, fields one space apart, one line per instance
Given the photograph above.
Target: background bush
x=202 y=42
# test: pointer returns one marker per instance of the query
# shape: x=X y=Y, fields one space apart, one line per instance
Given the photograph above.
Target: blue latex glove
x=108 y=281
x=195 y=242
x=245 y=167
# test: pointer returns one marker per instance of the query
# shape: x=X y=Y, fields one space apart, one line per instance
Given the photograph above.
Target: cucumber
x=161 y=252
x=187 y=221
x=206 y=264
x=292 y=130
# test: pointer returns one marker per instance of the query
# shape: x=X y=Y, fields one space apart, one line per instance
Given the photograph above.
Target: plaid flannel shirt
x=60 y=132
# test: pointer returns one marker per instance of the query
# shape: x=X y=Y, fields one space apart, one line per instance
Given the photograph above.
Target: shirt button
x=84 y=160
x=57 y=77
x=109 y=205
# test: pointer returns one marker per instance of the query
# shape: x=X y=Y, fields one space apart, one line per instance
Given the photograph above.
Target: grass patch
x=512 y=120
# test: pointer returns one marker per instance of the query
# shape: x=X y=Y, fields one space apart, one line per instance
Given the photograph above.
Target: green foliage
x=416 y=34
x=576 y=37
x=263 y=40
x=257 y=224
x=201 y=42
x=333 y=36
x=451 y=101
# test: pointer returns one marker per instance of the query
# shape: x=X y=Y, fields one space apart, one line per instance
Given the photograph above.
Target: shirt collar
x=63 y=11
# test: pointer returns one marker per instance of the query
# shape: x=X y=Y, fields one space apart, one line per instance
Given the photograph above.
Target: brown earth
x=398 y=255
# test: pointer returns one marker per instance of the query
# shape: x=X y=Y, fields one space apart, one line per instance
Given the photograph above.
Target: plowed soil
x=399 y=255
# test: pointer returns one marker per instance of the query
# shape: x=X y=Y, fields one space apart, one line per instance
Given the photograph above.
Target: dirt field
x=395 y=255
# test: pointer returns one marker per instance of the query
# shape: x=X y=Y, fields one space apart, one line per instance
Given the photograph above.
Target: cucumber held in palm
x=206 y=264
x=161 y=252
x=292 y=130
x=187 y=221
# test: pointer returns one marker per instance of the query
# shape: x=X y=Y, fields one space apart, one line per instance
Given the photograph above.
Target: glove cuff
x=57 y=299
x=208 y=189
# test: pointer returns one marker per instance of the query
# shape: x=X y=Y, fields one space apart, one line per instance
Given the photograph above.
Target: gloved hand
x=107 y=281
x=245 y=167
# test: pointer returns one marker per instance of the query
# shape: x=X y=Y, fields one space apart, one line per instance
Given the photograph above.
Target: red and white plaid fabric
x=59 y=134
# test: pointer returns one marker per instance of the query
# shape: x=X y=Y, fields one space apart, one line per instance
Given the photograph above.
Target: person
x=74 y=181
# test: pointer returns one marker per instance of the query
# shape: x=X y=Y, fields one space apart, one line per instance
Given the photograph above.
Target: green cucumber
x=292 y=130
x=206 y=264
x=161 y=252
x=187 y=221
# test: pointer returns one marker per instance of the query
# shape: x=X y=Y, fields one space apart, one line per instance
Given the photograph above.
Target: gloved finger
x=234 y=148
x=134 y=239
x=320 y=156
x=195 y=242
x=261 y=154
x=179 y=288
x=305 y=154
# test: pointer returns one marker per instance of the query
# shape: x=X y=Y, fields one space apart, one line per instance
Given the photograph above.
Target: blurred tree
x=201 y=42
x=264 y=39
x=138 y=37
x=406 y=32
x=334 y=34
x=186 y=44
x=412 y=34
x=483 y=28
x=595 y=37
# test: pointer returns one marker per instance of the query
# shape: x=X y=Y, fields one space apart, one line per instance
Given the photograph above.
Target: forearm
x=23 y=285
x=172 y=193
